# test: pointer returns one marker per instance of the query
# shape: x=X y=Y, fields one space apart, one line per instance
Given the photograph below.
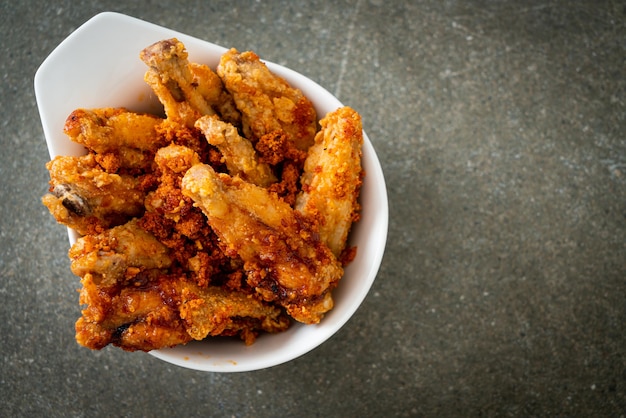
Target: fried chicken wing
x=167 y=311
x=332 y=178
x=133 y=317
x=186 y=90
x=118 y=254
x=87 y=199
x=120 y=138
x=267 y=102
x=214 y=311
x=237 y=152
x=285 y=262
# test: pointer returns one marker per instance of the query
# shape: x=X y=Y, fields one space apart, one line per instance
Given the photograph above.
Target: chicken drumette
x=285 y=262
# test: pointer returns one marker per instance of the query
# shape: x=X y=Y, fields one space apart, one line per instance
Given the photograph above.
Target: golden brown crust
x=168 y=311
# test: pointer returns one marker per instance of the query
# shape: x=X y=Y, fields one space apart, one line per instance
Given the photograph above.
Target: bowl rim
x=192 y=355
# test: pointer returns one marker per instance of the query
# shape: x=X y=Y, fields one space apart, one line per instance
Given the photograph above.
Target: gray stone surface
x=500 y=126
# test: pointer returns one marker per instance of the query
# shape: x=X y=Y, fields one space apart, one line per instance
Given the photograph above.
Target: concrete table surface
x=500 y=126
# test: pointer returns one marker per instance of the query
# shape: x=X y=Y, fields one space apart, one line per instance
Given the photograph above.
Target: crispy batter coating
x=332 y=178
x=276 y=149
x=284 y=261
x=128 y=317
x=87 y=199
x=131 y=300
x=267 y=102
x=191 y=138
x=208 y=83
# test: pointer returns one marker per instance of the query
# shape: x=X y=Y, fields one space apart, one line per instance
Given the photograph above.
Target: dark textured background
x=500 y=126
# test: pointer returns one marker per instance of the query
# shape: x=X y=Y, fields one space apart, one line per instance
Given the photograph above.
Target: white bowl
x=98 y=65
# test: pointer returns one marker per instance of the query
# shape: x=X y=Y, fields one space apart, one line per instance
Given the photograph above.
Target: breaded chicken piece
x=284 y=261
x=237 y=152
x=118 y=255
x=332 y=178
x=129 y=138
x=168 y=311
x=267 y=102
x=186 y=90
x=87 y=199
x=128 y=317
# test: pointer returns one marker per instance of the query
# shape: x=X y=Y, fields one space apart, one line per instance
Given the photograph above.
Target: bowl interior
x=98 y=65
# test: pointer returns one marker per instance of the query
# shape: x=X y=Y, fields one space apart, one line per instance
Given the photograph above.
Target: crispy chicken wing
x=129 y=317
x=186 y=90
x=87 y=199
x=332 y=178
x=238 y=154
x=284 y=261
x=120 y=138
x=118 y=254
x=267 y=102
